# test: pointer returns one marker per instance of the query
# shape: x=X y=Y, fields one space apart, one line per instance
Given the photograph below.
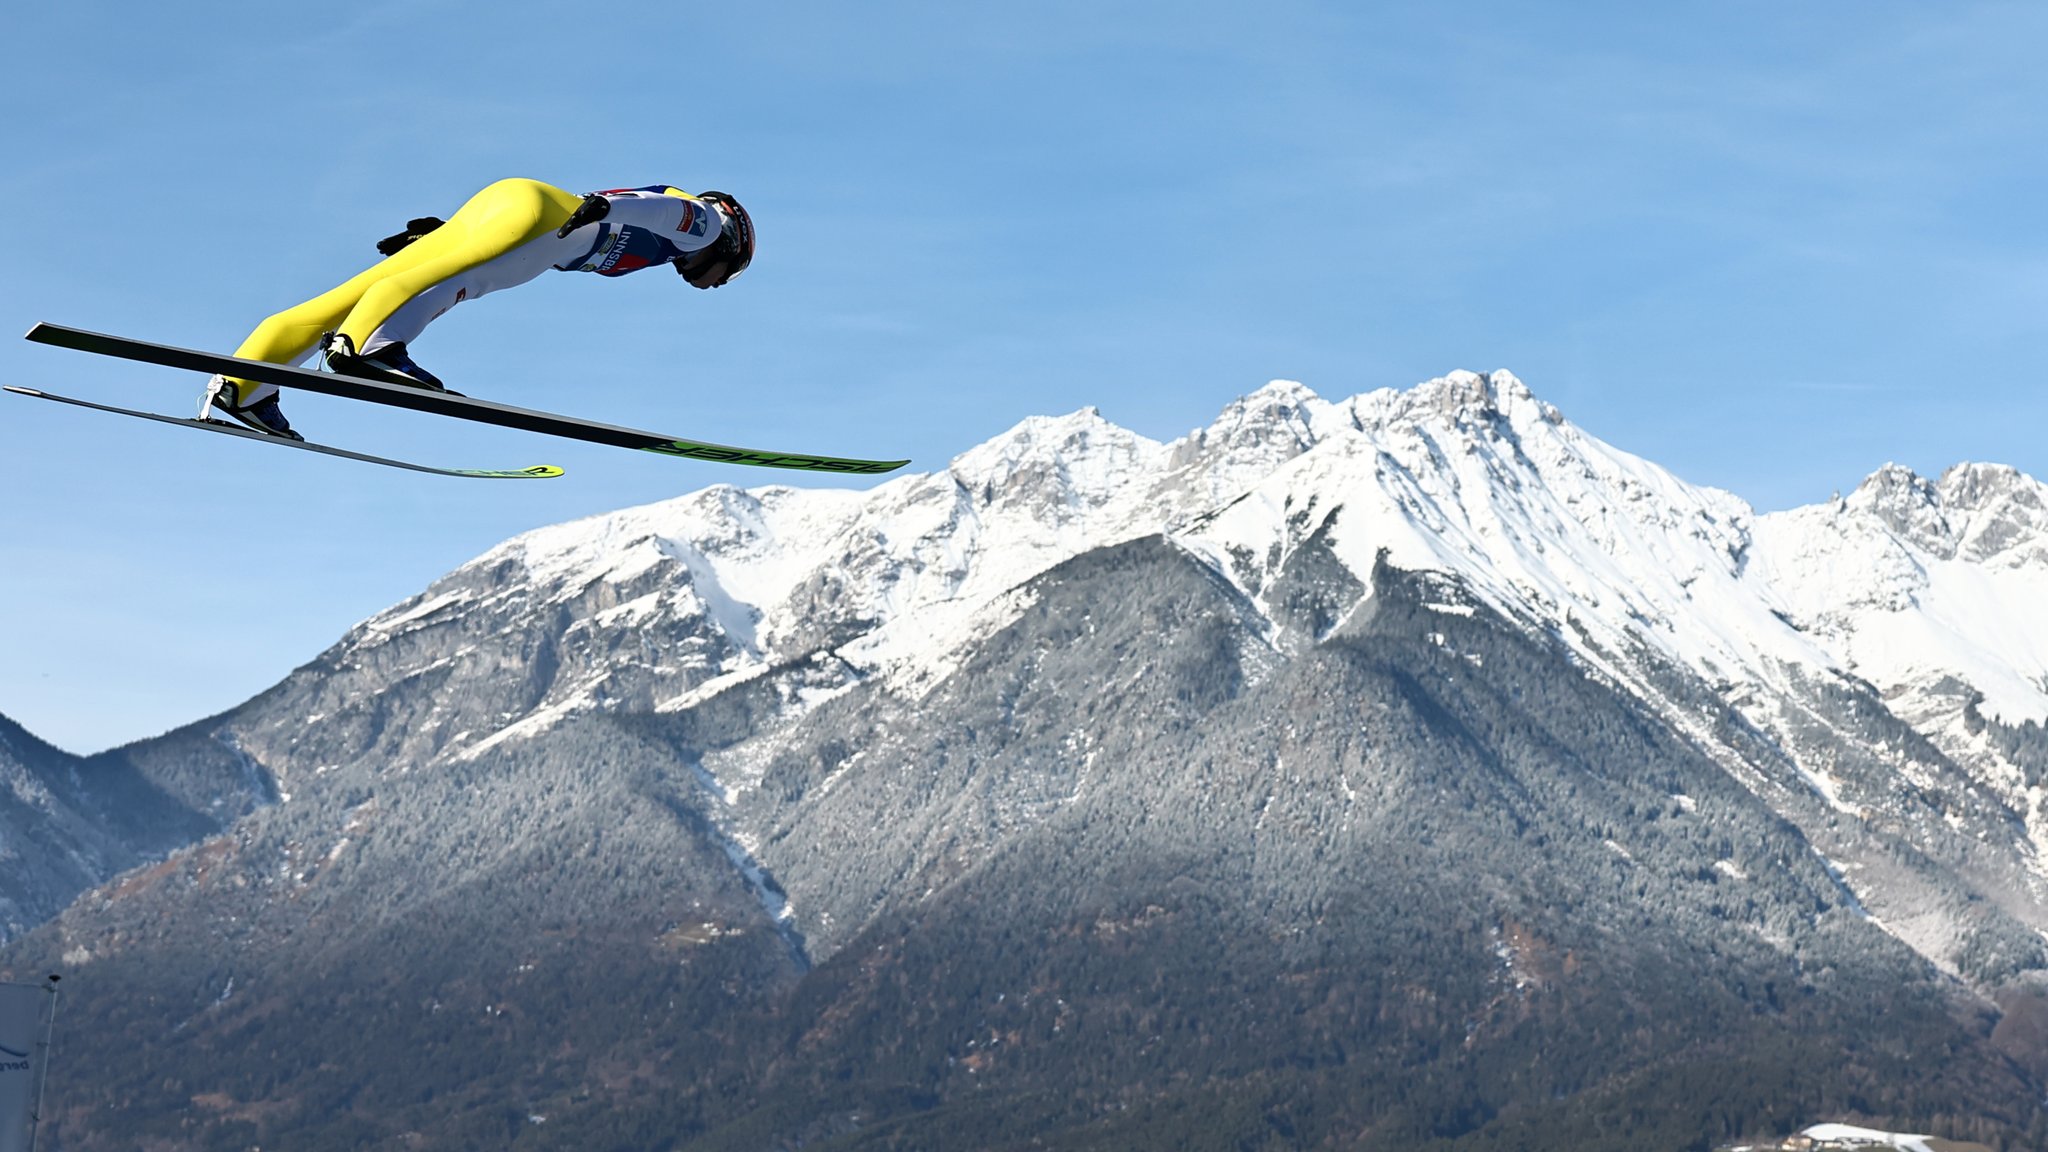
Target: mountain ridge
x=904 y=568
x=1385 y=714
x=1468 y=474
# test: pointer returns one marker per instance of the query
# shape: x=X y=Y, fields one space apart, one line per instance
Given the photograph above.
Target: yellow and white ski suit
x=502 y=237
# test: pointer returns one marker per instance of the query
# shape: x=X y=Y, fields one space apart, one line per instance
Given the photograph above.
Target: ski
x=538 y=472
x=445 y=404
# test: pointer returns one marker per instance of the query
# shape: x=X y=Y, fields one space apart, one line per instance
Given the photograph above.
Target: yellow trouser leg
x=494 y=221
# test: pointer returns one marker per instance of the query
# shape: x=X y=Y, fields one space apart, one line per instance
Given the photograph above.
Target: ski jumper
x=502 y=237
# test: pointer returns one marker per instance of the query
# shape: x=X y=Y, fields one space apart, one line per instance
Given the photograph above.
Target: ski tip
x=722 y=454
x=537 y=472
x=23 y=391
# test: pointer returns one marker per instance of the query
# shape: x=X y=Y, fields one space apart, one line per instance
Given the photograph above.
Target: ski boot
x=389 y=364
x=264 y=415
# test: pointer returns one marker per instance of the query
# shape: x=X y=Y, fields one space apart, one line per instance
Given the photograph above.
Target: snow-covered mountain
x=1883 y=651
x=1935 y=591
x=1464 y=475
x=1420 y=727
x=1906 y=583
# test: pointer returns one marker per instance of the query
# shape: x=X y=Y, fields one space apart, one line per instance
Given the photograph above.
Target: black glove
x=414 y=229
x=593 y=209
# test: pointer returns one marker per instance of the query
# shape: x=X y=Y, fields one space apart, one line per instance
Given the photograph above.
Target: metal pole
x=35 y=1128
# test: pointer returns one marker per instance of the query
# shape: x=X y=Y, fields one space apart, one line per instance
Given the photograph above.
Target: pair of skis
x=419 y=400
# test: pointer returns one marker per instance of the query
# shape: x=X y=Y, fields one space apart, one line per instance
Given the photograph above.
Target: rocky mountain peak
x=1460 y=392
x=1981 y=512
x=1907 y=504
x=2000 y=514
x=1256 y=433
x=1460 y=398
x=1078 y=454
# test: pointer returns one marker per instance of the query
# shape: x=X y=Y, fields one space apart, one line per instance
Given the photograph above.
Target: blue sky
x=1769 y=246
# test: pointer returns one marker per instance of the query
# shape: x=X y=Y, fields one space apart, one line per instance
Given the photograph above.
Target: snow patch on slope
x=1906 y=582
